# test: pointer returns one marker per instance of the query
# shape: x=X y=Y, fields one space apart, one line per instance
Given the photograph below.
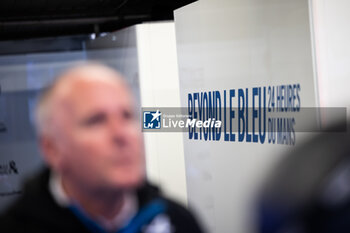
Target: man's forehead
x=75 y=79
x=87 y=75
x=79 y=83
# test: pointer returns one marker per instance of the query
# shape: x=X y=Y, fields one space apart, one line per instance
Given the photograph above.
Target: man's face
x=100 y=143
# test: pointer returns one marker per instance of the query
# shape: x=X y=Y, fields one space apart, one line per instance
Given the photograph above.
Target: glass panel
x=21 y=79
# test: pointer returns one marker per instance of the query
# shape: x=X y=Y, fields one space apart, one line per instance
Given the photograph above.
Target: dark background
x=28 y=19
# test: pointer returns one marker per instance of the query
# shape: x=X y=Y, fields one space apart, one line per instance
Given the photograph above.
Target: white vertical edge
x=159 y=87
x=314 y=45
x=144 y=79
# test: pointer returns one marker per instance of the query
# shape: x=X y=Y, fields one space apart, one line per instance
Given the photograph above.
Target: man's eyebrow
x=93 y=118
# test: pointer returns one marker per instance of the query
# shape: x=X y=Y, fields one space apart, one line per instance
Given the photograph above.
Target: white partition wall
x=332 y=49
x=146 y=55
x=246 y=54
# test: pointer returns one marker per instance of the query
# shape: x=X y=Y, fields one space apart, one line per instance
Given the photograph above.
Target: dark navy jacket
x=37 y=212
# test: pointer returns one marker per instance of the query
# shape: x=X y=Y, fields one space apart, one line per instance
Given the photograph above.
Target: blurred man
x=92 y=143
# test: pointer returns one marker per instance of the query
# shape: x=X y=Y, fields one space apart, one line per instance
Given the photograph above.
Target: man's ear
x=50 y=152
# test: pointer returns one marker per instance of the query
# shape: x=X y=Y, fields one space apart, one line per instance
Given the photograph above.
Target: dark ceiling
x=26 y=19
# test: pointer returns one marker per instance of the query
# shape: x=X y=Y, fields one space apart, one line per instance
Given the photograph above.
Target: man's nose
x=118 y=131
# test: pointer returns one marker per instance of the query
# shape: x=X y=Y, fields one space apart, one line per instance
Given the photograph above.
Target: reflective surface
x=21 y=79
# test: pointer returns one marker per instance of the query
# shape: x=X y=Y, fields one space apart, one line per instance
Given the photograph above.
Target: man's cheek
x=89 y=144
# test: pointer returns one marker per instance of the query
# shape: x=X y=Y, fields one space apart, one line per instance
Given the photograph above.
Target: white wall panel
x=233 y=44
x=332 y=49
